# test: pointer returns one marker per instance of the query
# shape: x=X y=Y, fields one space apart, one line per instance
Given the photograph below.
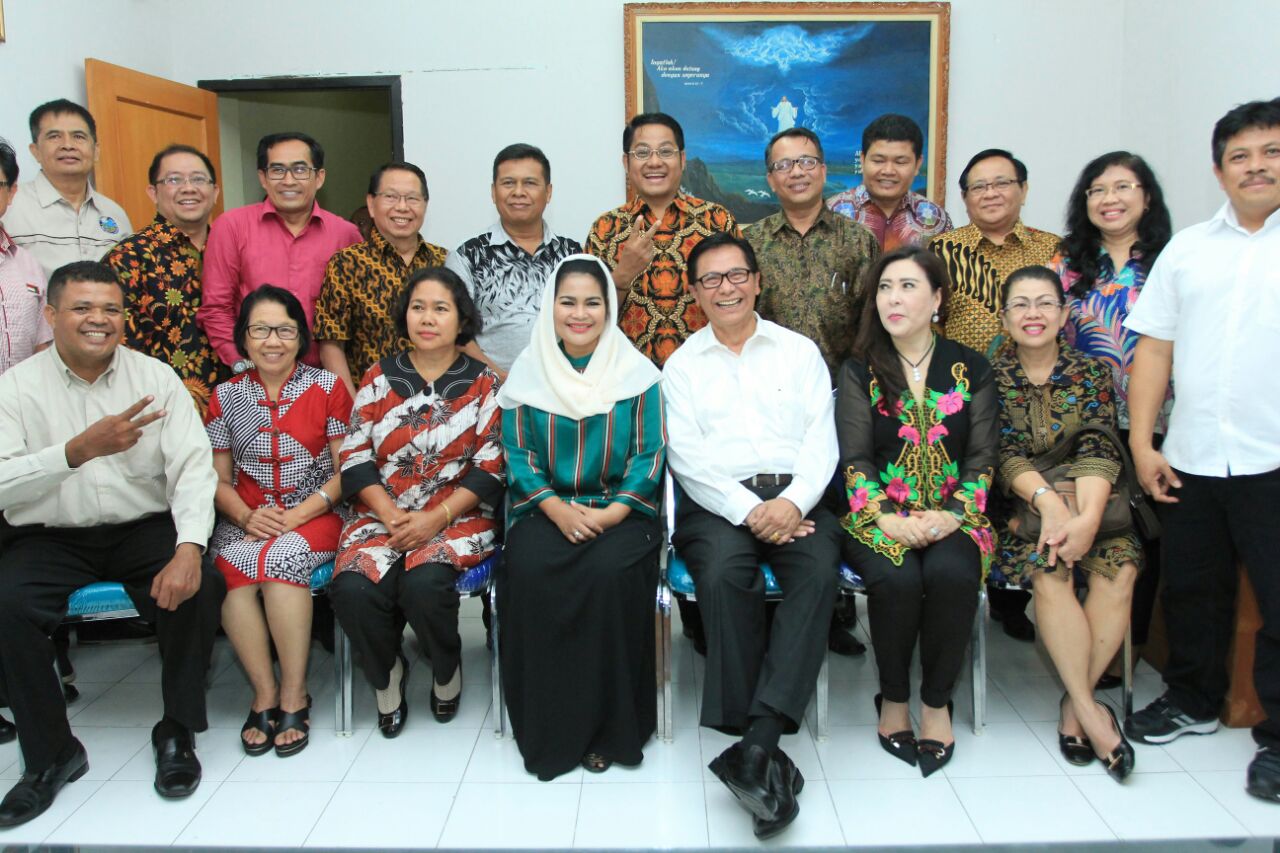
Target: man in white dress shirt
x=752 y=443
x=105 y=475
x=1210 y=314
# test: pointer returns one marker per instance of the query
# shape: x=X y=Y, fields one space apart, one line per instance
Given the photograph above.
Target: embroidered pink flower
x=980 y=499
x=982 y=538
x=887 y=411
x=950 y=402
x=949 y=487
x=910 y=433
x=936 y=433
x=857 y=500
x=898 y=490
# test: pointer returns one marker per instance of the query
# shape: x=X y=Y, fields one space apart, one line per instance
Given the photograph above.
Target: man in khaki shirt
x=105 y=475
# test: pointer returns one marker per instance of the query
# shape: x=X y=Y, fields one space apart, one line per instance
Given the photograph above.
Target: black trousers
x=752 y=671
x=1216 y=521
x=40 y=566
x=933 y=596
x=428 y=598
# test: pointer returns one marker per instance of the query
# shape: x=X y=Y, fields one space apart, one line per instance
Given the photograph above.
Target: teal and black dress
x=577 y=619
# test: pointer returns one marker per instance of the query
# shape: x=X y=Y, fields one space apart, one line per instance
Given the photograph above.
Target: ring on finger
x=577 y=534
x=933 y=531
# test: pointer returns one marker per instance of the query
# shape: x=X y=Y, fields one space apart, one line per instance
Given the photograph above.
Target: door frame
x=389 y=82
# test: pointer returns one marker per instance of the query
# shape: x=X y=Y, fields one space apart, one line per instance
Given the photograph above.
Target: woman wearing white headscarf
x=583 y=429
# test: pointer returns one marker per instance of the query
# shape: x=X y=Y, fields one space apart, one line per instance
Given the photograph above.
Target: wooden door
x=138 y=115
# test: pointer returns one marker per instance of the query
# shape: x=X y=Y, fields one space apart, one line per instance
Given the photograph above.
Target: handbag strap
x=1054 y=455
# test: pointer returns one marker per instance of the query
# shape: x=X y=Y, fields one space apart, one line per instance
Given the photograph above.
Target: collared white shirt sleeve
x=815 y=463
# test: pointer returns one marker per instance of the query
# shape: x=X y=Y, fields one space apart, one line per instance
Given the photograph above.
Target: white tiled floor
x=459 y=786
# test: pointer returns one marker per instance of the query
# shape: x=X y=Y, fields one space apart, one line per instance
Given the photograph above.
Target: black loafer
x=445 y=710
x=788 y=782
x=1264 y=775
x=745 y=771
x=843 y=643
x=34 y=792
x=391 y=725
x=1076 y=749
x=177 y=768
x=8 y=731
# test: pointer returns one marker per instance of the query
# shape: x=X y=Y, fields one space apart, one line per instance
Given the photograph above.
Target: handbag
x=1127 y=508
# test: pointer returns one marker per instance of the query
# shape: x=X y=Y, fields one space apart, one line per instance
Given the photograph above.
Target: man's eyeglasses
x=284 y=333
x=197 y=180
x=1000 y=185
x=712 y=280
x=783 y=166
x=393 y=199
x=1046 y=305
x=644 y=152
x=1119 y=188
x=301 y=171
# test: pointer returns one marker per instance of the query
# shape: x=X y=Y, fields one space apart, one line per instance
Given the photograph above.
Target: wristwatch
x=242 y=365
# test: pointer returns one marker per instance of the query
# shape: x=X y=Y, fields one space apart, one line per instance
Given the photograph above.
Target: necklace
x=915 y=365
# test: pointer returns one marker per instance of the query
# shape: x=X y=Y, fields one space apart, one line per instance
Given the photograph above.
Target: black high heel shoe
x=901 y=745
x=934 y=754
x=1121 y=760
x=1077 y=749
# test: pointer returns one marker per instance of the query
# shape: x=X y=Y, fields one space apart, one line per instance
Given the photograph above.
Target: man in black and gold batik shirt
x=361 y=283
x=159 y=270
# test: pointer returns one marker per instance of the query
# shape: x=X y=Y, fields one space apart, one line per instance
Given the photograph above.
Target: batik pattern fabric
x=914 y=222
x=420 y=441
x=978 y=269
x=280 y=457
x=934 y=453
x=812 y=283
x=1033 y=419
x=660 y=312
x=1095 y=325
x=159 y=270
x=361 y=285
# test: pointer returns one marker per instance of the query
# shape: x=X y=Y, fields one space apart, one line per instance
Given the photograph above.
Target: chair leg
x=978 y=662
x=823 y=698
x=665 y=710
x=495 y=669
x=343 y=697
x=1126 y=675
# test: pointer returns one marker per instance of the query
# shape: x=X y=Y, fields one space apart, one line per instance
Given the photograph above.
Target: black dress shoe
x=842 y=642
x=1016 y=624
x=1108 y=681
x=34 y=792
x=901 y=745
x=1077 y=749
x=745 y=771
x=934 y=755
x=1264 y=775
x=8 y=731
x=391 y=725
x=445 y=710
x=787 y=782
x=177 y=768
x=1119 y=761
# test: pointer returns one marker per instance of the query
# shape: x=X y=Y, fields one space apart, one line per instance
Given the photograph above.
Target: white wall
x=1056 y=82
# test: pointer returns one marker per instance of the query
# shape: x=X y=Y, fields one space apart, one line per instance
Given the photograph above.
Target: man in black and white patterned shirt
x=506 y=266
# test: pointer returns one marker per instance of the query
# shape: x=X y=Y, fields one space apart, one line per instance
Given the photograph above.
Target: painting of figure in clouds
x=735 y=74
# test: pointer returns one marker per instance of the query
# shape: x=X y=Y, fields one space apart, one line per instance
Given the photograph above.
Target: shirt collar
x=778 y=221
x=381 y=244
x=47 y=194
x=1227 y=218
x=269 y=209
x=863 y=198
x=1018 y=234
x=637 y=204
x=7 y=246
x=165 y=226
x=69 y=377
x=498 y=235
x=764 y=331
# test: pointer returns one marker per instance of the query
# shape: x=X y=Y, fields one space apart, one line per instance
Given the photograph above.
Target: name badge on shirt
x=106 y=223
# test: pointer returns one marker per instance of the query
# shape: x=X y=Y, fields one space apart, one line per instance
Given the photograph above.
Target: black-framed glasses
x=260 y=332
x=712 y=280
x=807 y=162
x=644 y=152
x=198 y=180
x=1000 y=185
x=301 y=171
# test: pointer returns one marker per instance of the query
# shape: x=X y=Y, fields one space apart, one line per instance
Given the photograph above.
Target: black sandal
x=299 y=720
x=263 y=721
x=594 y=762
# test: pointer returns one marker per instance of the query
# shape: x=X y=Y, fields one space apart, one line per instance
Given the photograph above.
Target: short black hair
x=8 y=162
x=266 y=143
x=1034 y=272
x=280 y=296
x=375 y=178
x=583 y=266
x=719 y=240
x=1019 y=168
x=640 y=120
x=91 y=271
x=470 y=323
x=522 y=151
x=153 y=173
x=799 y=132
x=892 y=127
x=61 y=106
x=1255 y=114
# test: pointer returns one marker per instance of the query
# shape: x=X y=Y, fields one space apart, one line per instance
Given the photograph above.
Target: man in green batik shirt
x=811 y=260
x=811 y=263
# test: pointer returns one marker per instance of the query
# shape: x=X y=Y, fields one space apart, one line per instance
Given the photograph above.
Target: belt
x=761 y=480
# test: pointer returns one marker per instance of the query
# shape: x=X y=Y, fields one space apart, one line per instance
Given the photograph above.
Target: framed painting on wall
x=734 y=74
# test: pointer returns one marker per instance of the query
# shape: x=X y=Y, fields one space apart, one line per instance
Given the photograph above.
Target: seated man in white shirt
x=105 y=475
x=752 y=442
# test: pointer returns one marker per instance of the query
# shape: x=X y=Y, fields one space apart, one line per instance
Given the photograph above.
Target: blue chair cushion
x=102 y=597
x=851 y=580
x=320 y=577
x=681 y=582
x=476 y=578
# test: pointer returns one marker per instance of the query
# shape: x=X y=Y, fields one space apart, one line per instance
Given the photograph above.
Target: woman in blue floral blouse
x=916 y=419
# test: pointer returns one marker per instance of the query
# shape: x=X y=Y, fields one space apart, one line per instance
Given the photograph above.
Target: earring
x=935 y=316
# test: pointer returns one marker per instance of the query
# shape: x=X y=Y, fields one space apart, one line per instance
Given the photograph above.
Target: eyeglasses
x=284 y=333
x=1046 y=305
x=712 y=280
x=197 y=180
x=644 y=152
x=1119 y=188
x=301 y=171
x=1000 y=185
x=807 y=163
x=393 y=199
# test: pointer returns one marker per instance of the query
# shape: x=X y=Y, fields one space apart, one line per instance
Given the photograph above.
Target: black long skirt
x=577 y=641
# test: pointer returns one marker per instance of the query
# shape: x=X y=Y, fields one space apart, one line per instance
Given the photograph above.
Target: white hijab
x=543 y=378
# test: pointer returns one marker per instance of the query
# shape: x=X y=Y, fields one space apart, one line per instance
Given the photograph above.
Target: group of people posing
x=227 y=407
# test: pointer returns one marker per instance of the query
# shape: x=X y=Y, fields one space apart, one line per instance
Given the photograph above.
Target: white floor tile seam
x=177 y=835
x=977 y=828
x=320 y=814
x=1229 y=809
x=1128 y=838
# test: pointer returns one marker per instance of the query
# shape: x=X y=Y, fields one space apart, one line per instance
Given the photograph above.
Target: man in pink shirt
x=23 y=328
x=286 y=240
